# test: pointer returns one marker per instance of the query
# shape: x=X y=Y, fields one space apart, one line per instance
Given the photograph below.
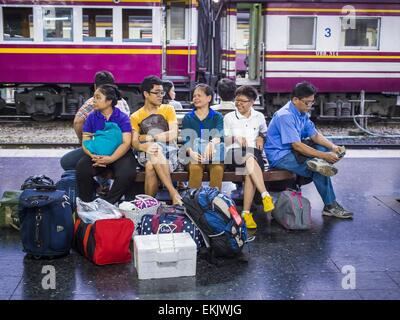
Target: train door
x=179 y=50
x=248 y=43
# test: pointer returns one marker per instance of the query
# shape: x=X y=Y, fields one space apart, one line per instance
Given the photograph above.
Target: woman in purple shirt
x=122 y=161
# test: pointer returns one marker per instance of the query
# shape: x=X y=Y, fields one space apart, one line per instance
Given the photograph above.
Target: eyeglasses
x=242 y=101
x=308 y=103
x=158 y=93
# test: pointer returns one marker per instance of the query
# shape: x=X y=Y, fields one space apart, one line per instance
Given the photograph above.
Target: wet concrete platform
x=282 y=264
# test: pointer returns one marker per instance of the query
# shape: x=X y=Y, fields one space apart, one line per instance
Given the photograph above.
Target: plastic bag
x=98 y=209
x=136 y=209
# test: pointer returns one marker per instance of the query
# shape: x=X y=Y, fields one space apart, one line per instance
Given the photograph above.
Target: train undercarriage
x=48 y=102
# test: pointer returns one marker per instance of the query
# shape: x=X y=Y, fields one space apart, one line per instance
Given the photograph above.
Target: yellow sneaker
x=268 y=204
x=248 y=219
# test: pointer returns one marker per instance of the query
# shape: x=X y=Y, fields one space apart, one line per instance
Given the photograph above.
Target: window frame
x=302 y=46
x=98 y=39
x=17 y=40
x=246 y=47
x=137 y=41
x=77 y=25
x=183 y=41
x=352 y=48
x=61 y=40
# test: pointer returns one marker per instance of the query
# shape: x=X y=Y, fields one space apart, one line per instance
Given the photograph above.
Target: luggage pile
x=166 y=238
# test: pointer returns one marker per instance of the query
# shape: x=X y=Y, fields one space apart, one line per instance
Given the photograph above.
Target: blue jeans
x=322 y=183
x=69 y=160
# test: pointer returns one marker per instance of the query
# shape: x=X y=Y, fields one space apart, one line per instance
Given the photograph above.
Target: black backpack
x=154 y=124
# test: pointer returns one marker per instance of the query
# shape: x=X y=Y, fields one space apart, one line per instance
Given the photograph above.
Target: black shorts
x=235 y=158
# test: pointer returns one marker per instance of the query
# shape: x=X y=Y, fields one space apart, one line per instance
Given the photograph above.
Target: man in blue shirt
x=286 y=147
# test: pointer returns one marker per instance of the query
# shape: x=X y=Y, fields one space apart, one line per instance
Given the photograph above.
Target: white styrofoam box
x=170 y=255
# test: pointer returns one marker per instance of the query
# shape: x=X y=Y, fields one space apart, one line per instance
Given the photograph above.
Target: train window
x=137 y=25
x=176 y=17
x=302 y=32
x=97 y=24
x=243 y=30
x=57 y=24
x=361 y=33
x=18 y=23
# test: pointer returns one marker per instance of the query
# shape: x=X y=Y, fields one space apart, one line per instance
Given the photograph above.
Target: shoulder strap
x=86 y=238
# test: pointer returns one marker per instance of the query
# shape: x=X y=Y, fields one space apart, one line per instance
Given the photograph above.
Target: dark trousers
x=323 y=184
x=70 y=159
x=301 y=158
x=124 y=172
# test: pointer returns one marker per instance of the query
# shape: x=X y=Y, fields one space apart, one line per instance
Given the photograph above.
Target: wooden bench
x=270 y=175
x=275 y=180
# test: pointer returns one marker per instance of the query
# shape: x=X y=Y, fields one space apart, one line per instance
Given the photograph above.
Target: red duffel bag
x=105 y=241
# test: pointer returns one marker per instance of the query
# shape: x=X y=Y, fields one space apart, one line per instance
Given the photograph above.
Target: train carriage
x=58 y=46
x=346 y=49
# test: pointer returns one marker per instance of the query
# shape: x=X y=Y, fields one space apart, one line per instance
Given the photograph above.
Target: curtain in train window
x=302 y=32
x=137 y=25
x=362 y=32
x=97 y=24
x=57 y=24
x=176 y=17
x=18 y=23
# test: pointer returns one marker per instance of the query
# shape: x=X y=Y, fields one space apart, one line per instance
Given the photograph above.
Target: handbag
x=170 y=215
x=292 y=210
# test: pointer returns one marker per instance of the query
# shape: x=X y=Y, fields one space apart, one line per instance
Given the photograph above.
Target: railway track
x=75 y=145
x=14 y=119
x=38 y=145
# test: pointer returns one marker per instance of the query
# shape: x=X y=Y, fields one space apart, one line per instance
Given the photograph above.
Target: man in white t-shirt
x=244 y=131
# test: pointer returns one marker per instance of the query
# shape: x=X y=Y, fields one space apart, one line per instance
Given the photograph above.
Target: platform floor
x=282 y=265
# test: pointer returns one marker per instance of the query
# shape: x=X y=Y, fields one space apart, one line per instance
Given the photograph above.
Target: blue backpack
x=215 y=214
x=46 y=222
x=68 y=184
